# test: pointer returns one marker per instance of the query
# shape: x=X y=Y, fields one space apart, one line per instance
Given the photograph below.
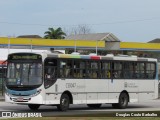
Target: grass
x=87 y=118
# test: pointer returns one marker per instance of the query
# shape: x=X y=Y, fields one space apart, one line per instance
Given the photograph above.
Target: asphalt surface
x=152 y=106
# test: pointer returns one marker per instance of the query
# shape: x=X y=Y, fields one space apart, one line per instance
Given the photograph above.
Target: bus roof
x=97 y=57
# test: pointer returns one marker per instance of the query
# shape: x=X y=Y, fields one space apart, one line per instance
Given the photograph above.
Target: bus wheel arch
x=124 y=91
x=69 y=95
x=122 y=100
x=65 y=101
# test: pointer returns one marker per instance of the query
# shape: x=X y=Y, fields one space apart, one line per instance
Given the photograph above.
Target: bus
x=36 y=79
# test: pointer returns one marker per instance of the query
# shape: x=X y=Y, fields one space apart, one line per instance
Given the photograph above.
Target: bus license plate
x=19 y=99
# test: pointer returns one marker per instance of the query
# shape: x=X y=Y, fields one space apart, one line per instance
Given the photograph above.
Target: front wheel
x=34 y=106
x=64 y=103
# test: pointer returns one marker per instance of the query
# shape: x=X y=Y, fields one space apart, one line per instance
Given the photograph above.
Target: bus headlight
x=37 y=93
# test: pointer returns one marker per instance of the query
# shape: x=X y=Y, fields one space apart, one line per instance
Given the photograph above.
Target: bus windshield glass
x=24 y=74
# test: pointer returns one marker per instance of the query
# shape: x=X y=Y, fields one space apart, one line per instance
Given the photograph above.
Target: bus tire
x=123 y=100
x=64 y=103
x=94 y=105
x=34 y=106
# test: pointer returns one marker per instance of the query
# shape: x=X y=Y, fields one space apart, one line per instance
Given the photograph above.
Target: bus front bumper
x=24 y=99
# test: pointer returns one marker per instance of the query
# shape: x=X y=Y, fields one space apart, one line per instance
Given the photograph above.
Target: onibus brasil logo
x=18 y=114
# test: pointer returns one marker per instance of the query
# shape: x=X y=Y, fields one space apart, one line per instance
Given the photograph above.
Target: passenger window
x=150 y=70
x=105 y=70
x=66 y=69
x=129 y=70
x=79 y=69
x=117 y=70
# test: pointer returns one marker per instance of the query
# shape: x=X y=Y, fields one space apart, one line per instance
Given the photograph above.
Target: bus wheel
x=34 y=106
x=64 y=103
x=123 y=101
x=94 y=105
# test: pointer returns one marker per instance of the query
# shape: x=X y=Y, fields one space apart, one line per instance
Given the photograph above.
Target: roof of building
x=94 y=36
x=157 y=40
x=29 y=36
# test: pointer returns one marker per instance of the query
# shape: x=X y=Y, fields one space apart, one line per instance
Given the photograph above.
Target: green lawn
x=87 y=118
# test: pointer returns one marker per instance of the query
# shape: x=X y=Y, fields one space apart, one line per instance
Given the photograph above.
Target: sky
x=129 y=20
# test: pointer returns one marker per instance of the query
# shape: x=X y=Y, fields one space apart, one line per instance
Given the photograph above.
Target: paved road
x=153 y=105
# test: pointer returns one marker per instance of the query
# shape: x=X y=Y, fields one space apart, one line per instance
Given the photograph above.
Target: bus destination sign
x=33 y=57
x=24 y=57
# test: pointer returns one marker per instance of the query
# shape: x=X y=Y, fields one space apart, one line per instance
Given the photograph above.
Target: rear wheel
x=64 y=103
x=123 y=101
x=94 y=105
x=34 y=106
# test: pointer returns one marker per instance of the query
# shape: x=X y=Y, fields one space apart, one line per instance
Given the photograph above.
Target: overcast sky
x=129 y=20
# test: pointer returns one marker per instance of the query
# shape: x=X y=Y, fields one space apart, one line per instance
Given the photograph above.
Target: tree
x=54 y=33
x=83 y=29
x=80 y=29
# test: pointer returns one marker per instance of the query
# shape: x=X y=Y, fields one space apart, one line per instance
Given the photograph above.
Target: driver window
x=50 y=72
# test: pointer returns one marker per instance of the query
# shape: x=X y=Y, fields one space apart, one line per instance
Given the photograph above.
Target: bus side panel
x=51 y=96
x=97 y=90
x=116 y=86
x=146 y=90
x=156 y=85
x=76 y=87
x=132 y=87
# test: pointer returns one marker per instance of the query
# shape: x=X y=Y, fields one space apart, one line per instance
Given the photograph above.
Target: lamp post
x=31 y=45
x=9 y=44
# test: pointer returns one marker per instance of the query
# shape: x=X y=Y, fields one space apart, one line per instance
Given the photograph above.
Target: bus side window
x=117 y=70
x=105 y=70
x=150 y=70
x=66 y=69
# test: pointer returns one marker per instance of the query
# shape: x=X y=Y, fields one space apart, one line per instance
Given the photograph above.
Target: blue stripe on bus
x=21 y=93
x=86 y=57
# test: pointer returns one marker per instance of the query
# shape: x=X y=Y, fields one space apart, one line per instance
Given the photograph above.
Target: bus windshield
x=24 y=74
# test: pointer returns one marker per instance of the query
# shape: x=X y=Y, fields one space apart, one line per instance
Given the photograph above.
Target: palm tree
x=54 y=33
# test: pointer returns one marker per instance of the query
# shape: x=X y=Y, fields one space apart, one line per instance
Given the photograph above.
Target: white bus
x=62 y=79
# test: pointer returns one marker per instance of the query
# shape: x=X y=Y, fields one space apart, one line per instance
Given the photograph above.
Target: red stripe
x=95 y=57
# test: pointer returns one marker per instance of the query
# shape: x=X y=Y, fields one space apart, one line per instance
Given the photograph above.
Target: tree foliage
x=54 y=33
x=81 y=29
